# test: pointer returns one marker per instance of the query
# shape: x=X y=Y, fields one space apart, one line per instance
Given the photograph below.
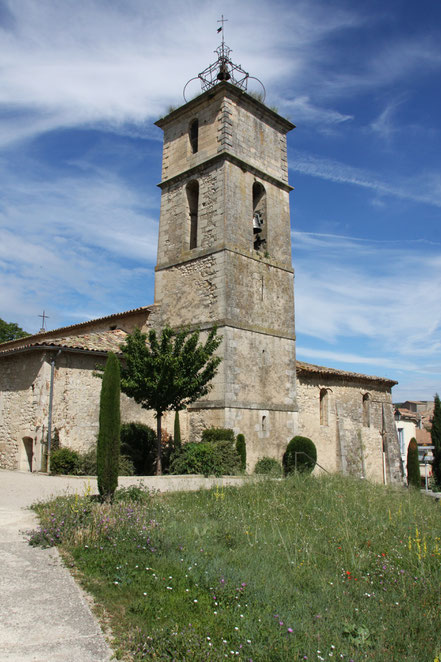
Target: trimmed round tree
x=107 y=454
x=413 y=465
x=300 y=455
x=241 y=449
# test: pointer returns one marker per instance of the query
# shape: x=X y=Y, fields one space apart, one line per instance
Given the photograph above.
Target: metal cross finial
x=221 y=29
x=45 y=317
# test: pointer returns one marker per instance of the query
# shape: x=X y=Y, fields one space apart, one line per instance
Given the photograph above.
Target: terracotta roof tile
x=95 y=341
x=54 y=334
x=303 y=367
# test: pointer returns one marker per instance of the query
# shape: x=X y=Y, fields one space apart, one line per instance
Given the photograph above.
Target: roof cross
x=45 y=317
x=221 y=29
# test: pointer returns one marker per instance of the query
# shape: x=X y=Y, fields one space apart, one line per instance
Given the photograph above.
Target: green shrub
x=132 y=494
x=65 y=461
x=87 y=462
x=218 y=434
x=413 y=465
x=305 y=459
x=241 y=449
x=138 y=443
x=219 y=458
x=268 y=466
x=108 y=445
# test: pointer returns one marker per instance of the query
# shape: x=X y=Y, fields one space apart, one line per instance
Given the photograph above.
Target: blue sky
x=81 y=83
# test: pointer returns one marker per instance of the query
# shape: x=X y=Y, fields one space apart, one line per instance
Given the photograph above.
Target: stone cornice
x=222 y=157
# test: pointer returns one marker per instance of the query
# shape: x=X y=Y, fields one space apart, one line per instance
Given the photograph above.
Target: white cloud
x=389 y=294
x=92 y=61
x=425 y=187
x=305 y=111
x=87 y=241
x=384 y=125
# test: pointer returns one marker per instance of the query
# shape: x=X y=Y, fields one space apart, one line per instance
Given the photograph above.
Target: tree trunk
x=159 y=437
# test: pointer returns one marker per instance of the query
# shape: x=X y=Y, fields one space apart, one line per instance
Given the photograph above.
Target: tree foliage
x=11 y=331
x=168 y=372
x=436 y=439
x=108 y=446
x=413 y=465
x=138 y=442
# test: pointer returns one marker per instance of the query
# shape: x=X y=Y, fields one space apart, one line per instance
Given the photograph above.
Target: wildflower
x=290 y=630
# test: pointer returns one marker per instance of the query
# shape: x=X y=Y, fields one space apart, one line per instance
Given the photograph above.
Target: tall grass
x=301 y=569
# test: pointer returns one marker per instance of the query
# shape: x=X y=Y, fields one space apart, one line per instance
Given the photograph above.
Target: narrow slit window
x=193 y=206
x=259 y=216
x=324 y=407
x=194 y=135
x=366 y=410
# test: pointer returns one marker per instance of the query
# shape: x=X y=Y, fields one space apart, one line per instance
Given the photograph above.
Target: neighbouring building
x=224 y=259
x=413 y=420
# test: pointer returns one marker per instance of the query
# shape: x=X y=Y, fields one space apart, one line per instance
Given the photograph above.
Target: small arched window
x=194 y=135
x=259 y=216
x=324 y=406
x=193 y=206
x=366 y=410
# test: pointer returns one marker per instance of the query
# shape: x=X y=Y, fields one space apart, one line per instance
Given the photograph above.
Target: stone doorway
x=27 y=454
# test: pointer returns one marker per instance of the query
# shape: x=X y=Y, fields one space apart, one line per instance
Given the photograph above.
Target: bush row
x=218 y=453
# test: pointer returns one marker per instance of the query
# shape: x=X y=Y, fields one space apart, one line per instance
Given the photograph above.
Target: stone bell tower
x=224 y=254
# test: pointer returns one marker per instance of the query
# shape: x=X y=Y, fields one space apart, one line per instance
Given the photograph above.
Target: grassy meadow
x=299 y=569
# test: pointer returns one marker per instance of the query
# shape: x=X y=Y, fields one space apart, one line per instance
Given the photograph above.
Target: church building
x=224 y=260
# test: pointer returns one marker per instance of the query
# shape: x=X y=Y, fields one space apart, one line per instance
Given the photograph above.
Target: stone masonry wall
x=24 y=406
x=21 y=393
x=345 y=444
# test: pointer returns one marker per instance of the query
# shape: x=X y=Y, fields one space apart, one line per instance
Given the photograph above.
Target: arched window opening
x=366 y=410
x=263 y=423
x=324 y=407
x=193 y=205
x=259 y=216
x=194 y=135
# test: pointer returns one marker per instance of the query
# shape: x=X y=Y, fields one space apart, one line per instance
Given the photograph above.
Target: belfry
x=224 y=252
x=224 y=260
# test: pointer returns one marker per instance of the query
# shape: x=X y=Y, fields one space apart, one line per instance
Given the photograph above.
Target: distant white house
x=412 y=420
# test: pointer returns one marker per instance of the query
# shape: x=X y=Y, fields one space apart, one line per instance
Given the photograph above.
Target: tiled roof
x=54 y=334
x=423 y=436
x=95 y=341
x=309 y=368
x=407 y=413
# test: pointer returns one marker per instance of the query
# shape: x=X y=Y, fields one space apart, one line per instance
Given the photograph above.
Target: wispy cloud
x=82 y=63
x=85 y=240
x=305 y=111
x=426 y=187
x=388 y=294
x=384 y=125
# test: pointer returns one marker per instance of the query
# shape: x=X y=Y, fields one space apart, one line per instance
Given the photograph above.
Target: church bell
x=223 y=72
x=257 y=223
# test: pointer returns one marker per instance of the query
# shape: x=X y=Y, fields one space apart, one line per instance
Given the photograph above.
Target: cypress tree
x=241 y=449
x=413 y=465
x=177 y=431
x=109 y=430
x=436 y=440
